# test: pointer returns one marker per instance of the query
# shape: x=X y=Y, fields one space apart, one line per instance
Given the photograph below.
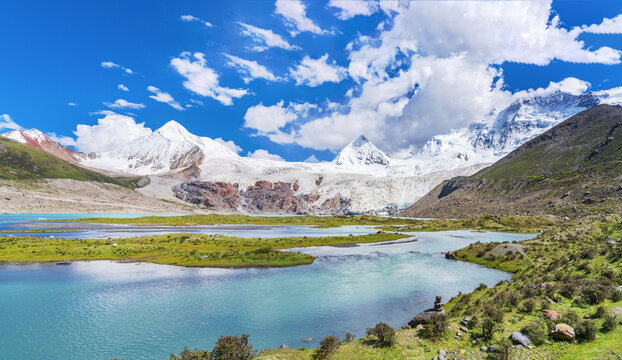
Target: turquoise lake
x=104 y=309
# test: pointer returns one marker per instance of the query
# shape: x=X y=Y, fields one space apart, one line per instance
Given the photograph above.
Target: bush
x=328 y=346
x=585 y=330
x=503 y=350
x=233 y=348
x=571 y=318
x=600 y=312
x=529 y=305
x=186 y=354
x=494 y=313
x=488 y=329
x=435 y=327
x=384 y=334
x=537 y=332
x=349 y=338
x=610 y=321
x=616 y=295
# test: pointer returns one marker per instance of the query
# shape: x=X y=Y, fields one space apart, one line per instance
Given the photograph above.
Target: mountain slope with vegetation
x=19 y=162
x=573 y=169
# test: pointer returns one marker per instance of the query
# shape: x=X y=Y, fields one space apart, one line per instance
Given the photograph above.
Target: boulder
x=518 y=337
x=283 y=347
x=450 y=255
x=563 y=332
x=423 y=316
x=551 y=314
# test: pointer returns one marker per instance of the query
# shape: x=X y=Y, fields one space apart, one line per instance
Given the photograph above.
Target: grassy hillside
x=19 y=161
x=573 y=169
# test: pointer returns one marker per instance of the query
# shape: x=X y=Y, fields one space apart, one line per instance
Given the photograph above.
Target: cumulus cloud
x=250 y=70
x=268 y=119
x=315 y=72
x=124 y=104
x=607 y=26
x=190 y=18
x=264 y=154
x=111 y=65
x=111 y=132
x=123 y=87
x=433 y=68
x=229 y=144
x=61 y=139
x=164 y=97
x=72 y=104
x=265 y=39
x=203 y=80
x=6 y=123
x=348 y=9
x=295 y=14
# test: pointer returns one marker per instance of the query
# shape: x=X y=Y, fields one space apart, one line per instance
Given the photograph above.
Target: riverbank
x=192 y=250
x=574 y=270
x=506 y=223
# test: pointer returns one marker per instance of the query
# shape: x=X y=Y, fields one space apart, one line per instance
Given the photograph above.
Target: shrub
x=494 y=313
x=488 y=329
x=537 y=332
x=435 y=327
x=328 y=346
x=567 y=290
x=233 y=348
x=600 y=312
x=186 y=354
x=529 y=305
x=503 y=350
x=481 y=286
x=571 y=318
x=349 y=338
x=595 y=294
x=616 y=295
x=384 y=334
x=585 y=330
x=610 y=321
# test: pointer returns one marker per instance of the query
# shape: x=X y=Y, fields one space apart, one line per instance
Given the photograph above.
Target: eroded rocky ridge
x=262 y=197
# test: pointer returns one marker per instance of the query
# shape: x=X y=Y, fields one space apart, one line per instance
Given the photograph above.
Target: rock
x=213 y=195
x=563 y=332
x=283 y=346
x=518 y=337
x=551 y=314
x=423 y=316
x=442 y=352
x=483 y=348
x=611 y=242
x=309 y=339
x=2 y=149
x=419 y=327
x=464 y=329
x=586 y=316
x=296 y=187
x=450 y=255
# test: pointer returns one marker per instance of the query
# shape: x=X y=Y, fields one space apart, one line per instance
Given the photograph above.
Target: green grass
x=195 y=250
x=576 y=255
x=20 y=161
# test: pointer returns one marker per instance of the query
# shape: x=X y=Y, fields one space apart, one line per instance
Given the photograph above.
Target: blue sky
x=53 y=55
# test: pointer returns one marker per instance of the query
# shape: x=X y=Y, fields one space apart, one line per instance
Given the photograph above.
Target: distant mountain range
x=575 y=168
x=361 y=178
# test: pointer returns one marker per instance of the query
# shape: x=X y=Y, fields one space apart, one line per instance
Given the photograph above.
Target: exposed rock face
x=518 y=337
x=450 y=255
x=218 y=195
x=563 y=332
x=262 y=197
x=2 y=149
x=551 y=314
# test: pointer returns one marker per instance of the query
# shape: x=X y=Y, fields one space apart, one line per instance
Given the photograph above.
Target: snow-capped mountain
x=39 y=140
x=169 y=149
x=361 y=152
x=488 y=140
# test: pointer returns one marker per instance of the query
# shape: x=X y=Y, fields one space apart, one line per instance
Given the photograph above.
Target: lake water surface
x=103 y=309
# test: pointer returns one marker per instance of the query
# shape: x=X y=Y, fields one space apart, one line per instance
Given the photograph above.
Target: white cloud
x=268 y=119
x=61 y=139
x=203 y=80
x=250 y=70
x=433 y=68
x=295 y=14
x=72 y=104
x=229 y=144
x=111 y=65
x=265 y=39
x=111 y=132
x=315 y=72
x=607 y=26
x=164 y=97
x=124 y=104
x=190 y=18
x=6 y=123
x=264 y=154
x=351 y=8
x=123 y=87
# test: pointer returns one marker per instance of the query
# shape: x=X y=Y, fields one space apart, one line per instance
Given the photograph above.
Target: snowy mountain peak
x=38 y=140
x=27 y=136
x=173 y=130
x=361 y=152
